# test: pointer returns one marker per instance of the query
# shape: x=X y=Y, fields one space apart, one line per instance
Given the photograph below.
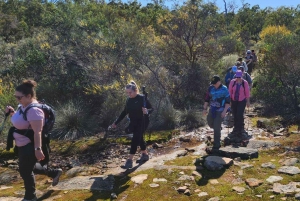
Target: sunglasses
x=19 y=97
x=238 y=77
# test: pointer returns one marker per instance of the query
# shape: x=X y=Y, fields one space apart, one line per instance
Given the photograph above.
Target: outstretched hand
x=113 y=126
x=9 y=110
x=145 y=110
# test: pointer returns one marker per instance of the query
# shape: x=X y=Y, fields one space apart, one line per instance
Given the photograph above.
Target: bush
x=165 y=117
x=74 y=120
x=191 y=119
x=225 y=63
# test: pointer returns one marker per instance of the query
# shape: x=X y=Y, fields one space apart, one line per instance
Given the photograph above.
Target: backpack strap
x=38 y=105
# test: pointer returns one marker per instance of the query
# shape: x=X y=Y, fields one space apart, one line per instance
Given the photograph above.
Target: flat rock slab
x=290 y=162
x=242 y=152
x=252 y=182
x=220 y=160
x=10 y=199
x=5 y=187
x=273 y=179
x=139 y=179
x=213 y=166
x=202 y=194
x=239 y=189
x=288 y=189
x=291 y=170
x=154 y=185
x=265 y=144
x=97 y=182
x=268 y=165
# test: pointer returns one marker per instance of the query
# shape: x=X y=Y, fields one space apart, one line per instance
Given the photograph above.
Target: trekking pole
x=3 y=123
x=248 y=119
x=145 y=106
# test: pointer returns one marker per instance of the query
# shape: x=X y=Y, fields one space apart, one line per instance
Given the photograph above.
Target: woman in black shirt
x=139 y=121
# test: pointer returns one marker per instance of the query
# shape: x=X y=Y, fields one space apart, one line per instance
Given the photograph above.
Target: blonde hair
x=133 y=86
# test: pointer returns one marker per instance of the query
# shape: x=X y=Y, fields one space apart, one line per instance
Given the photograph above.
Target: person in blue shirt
x=218 y=100
x=230 y=74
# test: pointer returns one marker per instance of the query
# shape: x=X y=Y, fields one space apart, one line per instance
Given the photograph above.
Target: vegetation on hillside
x=88 y=50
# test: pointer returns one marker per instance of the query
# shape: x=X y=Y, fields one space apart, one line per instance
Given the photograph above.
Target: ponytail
x=133 y=86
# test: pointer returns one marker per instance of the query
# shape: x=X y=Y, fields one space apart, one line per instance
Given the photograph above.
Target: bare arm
x=37 y=127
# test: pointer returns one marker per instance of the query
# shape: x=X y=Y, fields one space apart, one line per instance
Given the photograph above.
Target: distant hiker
x=240 y=97
x=139 y=121
x=243 y=64
x=230 y=75
x=254 y=60
x=245 y=76
x=218 y=98
x=249 y=61
x=30 y=151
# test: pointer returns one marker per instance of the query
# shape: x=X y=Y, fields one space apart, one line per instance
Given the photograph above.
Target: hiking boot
x=56 y=178
x=34 y=199
x=128 y=164
x=144 y=158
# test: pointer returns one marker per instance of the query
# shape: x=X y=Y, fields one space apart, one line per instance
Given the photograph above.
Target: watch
x=38 y=148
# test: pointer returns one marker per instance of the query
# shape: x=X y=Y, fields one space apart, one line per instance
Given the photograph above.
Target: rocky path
x=84 y=178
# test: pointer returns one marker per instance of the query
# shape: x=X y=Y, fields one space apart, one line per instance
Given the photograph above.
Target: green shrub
x=74 y=120
x=165 y=117
x=224 y=63
x=191 y=119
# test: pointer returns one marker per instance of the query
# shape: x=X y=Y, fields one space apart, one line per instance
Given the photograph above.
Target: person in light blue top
x=218 y=98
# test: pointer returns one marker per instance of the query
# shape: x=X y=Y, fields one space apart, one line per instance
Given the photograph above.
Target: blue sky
x=220 y=3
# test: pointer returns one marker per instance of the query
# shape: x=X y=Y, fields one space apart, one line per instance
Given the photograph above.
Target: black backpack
x=49 y=115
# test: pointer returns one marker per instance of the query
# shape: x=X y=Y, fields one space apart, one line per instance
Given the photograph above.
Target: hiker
x=245 y=76
x=254 y=60
x=249 y=62
x=230 y=75
x=139 y=121
x=30 y=152
x=240 y=97
x=243 y=64
x=218 y=98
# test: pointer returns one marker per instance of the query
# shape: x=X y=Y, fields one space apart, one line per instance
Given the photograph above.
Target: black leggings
x=238 y=109
x=28 y=166
x=138 y=128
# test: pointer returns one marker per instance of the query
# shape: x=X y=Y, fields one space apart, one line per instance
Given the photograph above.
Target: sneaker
x=56 y=178
x=34 y=199
x=128 y=164
x=144 y=158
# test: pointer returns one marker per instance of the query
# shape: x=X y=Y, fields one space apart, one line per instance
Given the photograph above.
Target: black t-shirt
x=133 y=108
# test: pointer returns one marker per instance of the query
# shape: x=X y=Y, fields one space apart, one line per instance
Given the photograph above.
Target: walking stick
x=3 y=123
x=145 y=106
x=248 y=119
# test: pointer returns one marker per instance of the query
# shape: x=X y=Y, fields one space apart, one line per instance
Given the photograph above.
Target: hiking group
x=33 y=121
x=232 y=98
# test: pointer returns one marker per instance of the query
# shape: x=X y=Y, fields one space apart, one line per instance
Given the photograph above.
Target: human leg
x=27 y=161
x=217 y=130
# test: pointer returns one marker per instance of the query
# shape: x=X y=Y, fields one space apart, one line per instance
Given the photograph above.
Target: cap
x=215 y=79
x=234 y=69
x=238 y=74
x=241 y=68
x=248 y=51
